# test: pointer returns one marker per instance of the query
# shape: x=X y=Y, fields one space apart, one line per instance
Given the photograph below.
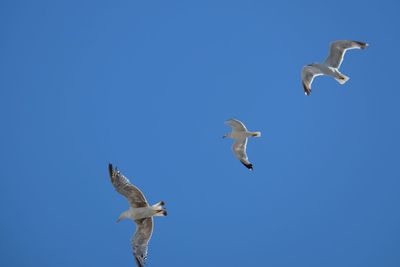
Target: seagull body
x=240 y=134
x=331 y=65
x=139 y=211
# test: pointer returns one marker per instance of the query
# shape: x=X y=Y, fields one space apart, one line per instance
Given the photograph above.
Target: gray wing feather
x=140 y=240
x=239 y=149
x=339 y=48
x=308 y=73
x=124 y=187
x=236 y=125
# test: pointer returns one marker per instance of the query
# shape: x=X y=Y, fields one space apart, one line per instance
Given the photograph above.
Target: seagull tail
x=256 y=134
x=342 y=79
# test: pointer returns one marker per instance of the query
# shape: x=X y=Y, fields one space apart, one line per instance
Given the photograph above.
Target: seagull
x=139 y=211
x=240 y=134
x=331 y=64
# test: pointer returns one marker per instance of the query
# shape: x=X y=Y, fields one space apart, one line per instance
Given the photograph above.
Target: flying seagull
x=139 y=211
x=240 y=134
x=331 y=64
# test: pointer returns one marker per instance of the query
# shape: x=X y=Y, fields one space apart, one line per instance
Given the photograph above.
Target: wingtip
x=248 y=165
x=307 y=91
x=110 y=169
x=226 y=122
x=362 y=45
x=138 y=262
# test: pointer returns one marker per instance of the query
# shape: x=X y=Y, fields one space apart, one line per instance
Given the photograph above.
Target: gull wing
x=239 y=149
x=124 y=187
x=308 y=73
x=236 y=125
x=140 y=240
x=338 y=49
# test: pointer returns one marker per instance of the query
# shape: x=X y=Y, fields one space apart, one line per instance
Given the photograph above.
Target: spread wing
x=339 y=48
x=124 y=187
x=236 y=125
x=140 y=240
x=239 y=149
x=308 y=73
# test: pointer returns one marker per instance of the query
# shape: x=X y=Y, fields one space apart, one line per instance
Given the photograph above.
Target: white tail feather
x=343 y=79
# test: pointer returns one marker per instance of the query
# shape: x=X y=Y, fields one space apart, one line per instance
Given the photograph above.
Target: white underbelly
x=238 y=135
x=140 y=213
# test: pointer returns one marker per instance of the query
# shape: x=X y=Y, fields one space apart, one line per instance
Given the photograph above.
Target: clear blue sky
x=147 y=86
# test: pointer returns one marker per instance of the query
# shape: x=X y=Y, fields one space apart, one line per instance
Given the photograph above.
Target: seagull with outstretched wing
x=240 y=134
x=331 y=64
x=139 y=211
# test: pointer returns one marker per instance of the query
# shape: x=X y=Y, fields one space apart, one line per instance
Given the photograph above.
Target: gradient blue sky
x=147 y=86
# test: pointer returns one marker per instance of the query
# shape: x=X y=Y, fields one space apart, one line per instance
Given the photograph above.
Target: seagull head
x=123 y=215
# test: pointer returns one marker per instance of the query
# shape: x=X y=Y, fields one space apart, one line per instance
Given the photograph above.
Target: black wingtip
x=307 y=90
x=248 y=165
x=362 y=44
x=139 y=264
x=110 y=169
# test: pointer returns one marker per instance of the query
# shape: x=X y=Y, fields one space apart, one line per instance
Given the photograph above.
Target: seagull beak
x=118 y=220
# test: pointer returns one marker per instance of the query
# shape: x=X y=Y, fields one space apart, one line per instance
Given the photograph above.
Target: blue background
x=147 y=86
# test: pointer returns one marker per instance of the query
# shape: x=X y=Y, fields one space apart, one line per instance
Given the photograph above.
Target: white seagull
x=240 y=134
x=331 y=64
x=139 y=211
